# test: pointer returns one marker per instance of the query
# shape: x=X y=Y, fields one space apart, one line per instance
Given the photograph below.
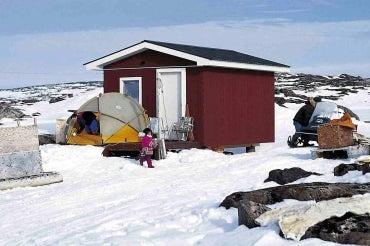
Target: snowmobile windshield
x=325 y=110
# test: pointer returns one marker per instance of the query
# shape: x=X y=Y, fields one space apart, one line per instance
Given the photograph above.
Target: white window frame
x=122 y=82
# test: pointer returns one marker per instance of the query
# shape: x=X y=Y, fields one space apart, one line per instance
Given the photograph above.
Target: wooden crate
x=330 y=136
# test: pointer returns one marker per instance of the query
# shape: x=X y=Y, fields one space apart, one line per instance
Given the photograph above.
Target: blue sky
x=47 y=41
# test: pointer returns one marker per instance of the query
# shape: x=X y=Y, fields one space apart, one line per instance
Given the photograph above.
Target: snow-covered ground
x=115 y=201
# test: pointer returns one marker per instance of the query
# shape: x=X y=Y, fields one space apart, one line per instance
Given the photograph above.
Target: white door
x=171 y=99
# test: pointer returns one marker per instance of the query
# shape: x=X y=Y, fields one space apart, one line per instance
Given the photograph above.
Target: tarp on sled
x=121 y=118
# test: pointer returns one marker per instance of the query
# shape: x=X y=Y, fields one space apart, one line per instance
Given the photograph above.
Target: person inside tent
x=79 y=122
x=91 y=123
x=302 y=118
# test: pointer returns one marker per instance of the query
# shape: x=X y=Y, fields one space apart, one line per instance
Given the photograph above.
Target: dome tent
x=120 y=117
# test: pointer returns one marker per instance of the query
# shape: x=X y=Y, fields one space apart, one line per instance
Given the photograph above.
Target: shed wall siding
x=195 y=100
x=239 y=107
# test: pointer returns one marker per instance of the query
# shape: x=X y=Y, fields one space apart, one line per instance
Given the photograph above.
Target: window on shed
x=131 y=86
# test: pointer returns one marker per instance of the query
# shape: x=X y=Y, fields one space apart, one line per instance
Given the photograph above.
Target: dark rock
x=317 y=191
x=248 y=211
x=365 y=168
x=289 y=97
x=7 y=111
x=69 y=95
x=350 y=112
x=291 y=93
x=288 y=175
x=56 y=99
x=36 y=114
x=343 y=169
x=46 y=139
x=347 y=229
x=280 y=101
x=29 y=101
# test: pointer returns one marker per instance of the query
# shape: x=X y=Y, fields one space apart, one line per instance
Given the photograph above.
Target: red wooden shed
x=229 y=94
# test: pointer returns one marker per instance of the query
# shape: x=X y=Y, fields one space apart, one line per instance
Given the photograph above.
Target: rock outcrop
x=46 y=139
x=252 y=204
x=7 y=111
x=249 y=211
x=343 y=169
x=33 y=94
x=344 y=84
x=317 y=191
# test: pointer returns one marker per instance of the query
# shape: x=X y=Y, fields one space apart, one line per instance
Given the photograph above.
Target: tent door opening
x=171 y=99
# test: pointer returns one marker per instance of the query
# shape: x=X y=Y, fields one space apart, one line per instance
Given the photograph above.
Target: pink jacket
x=148 y=145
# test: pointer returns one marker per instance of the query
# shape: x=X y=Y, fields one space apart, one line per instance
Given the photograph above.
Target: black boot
x=293 y=141
x=306 y=141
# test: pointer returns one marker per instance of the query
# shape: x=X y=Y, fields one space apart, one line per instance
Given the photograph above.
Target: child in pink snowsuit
x=147 y=147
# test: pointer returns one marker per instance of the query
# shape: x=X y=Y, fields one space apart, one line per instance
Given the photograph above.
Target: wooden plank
x=182 y=145
x=344 y=152
x=136 y=146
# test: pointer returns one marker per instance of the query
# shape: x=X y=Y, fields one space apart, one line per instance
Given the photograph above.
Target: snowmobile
x=324 y=112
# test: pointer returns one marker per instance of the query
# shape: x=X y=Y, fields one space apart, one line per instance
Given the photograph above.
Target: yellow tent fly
x=120 y=119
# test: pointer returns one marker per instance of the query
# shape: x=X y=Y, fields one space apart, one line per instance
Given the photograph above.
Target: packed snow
x=115 y=201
